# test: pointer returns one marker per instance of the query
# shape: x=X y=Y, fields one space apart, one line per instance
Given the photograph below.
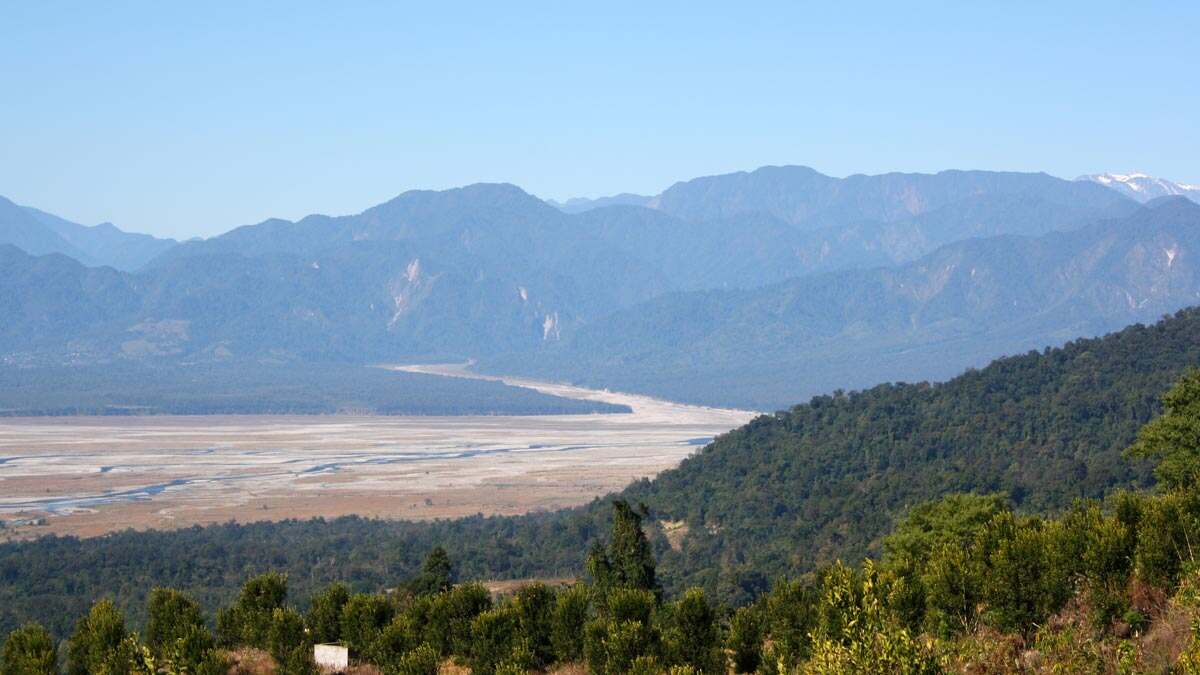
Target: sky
x=186 y=119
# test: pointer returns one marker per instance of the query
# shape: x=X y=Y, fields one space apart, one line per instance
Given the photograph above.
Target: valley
x=87 y=476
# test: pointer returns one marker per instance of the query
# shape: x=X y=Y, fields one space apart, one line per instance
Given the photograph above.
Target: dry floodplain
x=90 y=475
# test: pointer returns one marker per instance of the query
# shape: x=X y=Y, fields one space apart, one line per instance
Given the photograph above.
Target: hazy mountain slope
x=105 y=244
x=1143 y=188
x=418 y=215
x=471 y=269
x=754 y=248
x=353 y=302
x=39 y=233
x=53 y=303
x=810 y=200
x=24 y=230
x=959 y=306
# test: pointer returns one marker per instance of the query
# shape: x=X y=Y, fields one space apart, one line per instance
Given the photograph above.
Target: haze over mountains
x=755 y=288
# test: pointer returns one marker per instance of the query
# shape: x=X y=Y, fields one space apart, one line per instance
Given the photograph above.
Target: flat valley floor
x=90 y=475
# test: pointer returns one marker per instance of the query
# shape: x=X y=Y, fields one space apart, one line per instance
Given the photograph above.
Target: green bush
x=97 y=638
x=745 y=640
x=611 y=647
x=248 y=621
x=286 y=634
x=421 y=660
x=324 y=618
x=364 y=616
x=171 y=616
x=496 y=635
x=571 y=611
x=535 y=605
x=28 y=650
x=395 y=642
x=447 y=617
x=691 y=636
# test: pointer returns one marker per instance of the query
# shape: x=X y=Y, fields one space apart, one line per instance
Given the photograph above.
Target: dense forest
x=964 y=584
x=780 y=497
x=249 y=387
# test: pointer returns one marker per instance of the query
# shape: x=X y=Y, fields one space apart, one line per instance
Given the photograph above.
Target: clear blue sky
x=190 y=118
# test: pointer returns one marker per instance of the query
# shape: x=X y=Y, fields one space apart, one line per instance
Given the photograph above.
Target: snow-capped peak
x=1143 y=187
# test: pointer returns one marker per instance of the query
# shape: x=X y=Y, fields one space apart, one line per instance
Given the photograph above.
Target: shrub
x=324 y=618
x=422 y=660
x=28 y=650
x=570 y=617
x=691 y=636
x=364 y=617
x=98 y=636
x=745 y=639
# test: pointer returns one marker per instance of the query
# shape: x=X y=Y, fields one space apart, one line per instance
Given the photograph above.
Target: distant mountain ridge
x=808 y=199
x=1143 y=188
x=581 y=204
x=39 y=233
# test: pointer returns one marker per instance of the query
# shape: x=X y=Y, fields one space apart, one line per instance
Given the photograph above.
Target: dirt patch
x=675 y=531
x=505 y=587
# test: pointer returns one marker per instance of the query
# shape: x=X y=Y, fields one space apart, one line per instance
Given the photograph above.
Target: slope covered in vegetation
x=826 y=479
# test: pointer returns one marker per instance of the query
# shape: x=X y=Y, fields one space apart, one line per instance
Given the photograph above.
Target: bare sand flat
x=91 y=475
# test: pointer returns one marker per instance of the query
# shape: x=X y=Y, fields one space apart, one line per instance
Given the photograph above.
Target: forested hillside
x=825 y=479
x=780 y=496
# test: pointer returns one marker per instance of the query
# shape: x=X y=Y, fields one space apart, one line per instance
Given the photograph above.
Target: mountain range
x=755 y=288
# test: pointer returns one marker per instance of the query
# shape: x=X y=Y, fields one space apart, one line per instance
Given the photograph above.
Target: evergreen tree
x=446 y=618
x=422 y=660
x=628 y=562
x=395 y=642
x=436 y=575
